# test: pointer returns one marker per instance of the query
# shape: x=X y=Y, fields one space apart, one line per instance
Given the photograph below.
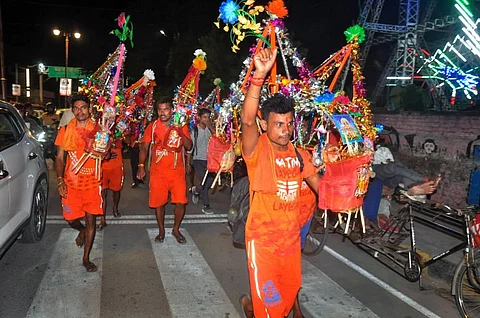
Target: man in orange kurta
x=167 y=169
x=272 y=231
x=80 y=192
x=112 y=178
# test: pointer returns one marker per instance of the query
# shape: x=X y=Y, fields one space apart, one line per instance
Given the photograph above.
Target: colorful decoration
x=105 y=90
x=355 y=33
x=453 y=70
x=186 y=96
x=126 y=27
x=138 y=110
x=336 y=128
x=242 y=20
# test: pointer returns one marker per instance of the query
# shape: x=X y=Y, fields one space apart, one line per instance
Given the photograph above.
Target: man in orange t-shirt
x=167 y=169
x=112 y=178
x=81 y=192
x=272 y=231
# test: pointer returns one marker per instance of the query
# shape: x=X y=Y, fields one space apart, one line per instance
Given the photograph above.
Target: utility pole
x=16 y=78
x=2 y=59
x=66 y=65
x=40 y=84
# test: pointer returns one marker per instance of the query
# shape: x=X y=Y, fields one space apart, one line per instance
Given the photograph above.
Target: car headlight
x=41 y=137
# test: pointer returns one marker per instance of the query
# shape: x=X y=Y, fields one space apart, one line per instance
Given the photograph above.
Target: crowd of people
x=283 y=185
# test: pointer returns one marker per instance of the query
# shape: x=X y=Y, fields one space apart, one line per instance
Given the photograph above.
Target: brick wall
x=439 y=145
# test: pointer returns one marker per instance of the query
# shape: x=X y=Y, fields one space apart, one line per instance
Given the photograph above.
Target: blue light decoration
x=456 y=65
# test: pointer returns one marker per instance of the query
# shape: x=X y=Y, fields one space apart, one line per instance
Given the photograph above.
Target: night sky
x=317 y=24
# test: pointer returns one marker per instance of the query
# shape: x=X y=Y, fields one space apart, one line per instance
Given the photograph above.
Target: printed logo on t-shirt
x=286 y=169
x=287 y=191
x=271 y=295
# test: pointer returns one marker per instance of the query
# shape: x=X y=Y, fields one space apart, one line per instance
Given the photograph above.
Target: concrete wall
x=438 y=144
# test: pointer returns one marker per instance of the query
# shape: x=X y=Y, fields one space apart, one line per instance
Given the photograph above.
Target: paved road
x=203 y=278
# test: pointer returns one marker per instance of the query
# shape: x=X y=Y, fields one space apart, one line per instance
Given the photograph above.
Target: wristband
x=141 y=165
x=253 y=96
x=257 y=81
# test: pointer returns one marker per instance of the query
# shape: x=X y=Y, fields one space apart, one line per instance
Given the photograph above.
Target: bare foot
x=247 y=306
x=90 y=267
x=423 y=188
x=102 y=225
x=80 y=240
x=297 y=312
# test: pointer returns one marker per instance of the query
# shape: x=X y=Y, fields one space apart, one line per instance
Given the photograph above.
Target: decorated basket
x=344 y=184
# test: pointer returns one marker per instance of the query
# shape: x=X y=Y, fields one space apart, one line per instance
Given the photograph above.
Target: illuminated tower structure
x=408 y=35
x=452 y=72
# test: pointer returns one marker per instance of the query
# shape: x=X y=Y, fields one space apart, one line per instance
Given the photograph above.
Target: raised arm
x=264 y=61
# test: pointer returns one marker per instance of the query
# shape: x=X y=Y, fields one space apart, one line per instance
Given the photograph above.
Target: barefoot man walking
x=81 y=193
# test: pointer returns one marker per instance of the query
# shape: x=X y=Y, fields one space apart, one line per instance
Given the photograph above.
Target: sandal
x=159 y=238
x=180 y=238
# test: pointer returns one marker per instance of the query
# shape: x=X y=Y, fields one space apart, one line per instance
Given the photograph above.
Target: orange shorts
x=161 y=185
x=113 y=178
x=274 y=280
x=78 y=202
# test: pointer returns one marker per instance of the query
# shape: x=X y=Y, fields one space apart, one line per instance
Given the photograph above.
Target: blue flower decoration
x=325 y=98
x=379 y=128
x=229 y=11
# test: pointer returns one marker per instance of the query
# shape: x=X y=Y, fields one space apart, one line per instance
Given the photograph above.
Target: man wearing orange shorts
x=272 y=231
x=167 y=169
x=82 y=192
x=112 y=178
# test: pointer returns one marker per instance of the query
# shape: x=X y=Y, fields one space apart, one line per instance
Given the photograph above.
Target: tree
x=221 y=61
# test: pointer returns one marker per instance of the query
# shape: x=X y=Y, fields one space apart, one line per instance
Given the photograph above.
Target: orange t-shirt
x=118 y=160
x=164 y=166
x=308 y=198
x=273 y=217
x=85 y=178
x=307 y=203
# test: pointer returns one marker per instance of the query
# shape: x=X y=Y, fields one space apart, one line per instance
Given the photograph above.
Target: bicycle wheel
x=467 y=296
x=317 y=234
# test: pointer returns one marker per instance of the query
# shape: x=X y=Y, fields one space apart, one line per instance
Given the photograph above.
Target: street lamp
x=67 y=36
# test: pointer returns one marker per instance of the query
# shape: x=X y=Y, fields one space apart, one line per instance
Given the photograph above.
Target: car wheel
x=35 y=227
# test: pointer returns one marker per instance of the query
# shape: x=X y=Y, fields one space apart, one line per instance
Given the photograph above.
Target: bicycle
x=383 y=245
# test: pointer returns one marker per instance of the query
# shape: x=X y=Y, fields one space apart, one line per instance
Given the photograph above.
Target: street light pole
x=66 y=35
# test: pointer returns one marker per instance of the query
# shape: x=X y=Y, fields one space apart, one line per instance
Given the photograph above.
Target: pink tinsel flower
x=342 y=99
x=121 y=20
x=101 y=100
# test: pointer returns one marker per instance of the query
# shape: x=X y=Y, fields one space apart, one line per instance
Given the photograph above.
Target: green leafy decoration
x=355 y=32
x=126 y=32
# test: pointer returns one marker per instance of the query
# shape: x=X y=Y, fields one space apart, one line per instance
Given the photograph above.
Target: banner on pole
x=16 y=90
x=65 y=86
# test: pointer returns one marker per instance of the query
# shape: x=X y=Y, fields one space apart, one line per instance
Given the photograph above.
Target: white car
x=23 y=181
